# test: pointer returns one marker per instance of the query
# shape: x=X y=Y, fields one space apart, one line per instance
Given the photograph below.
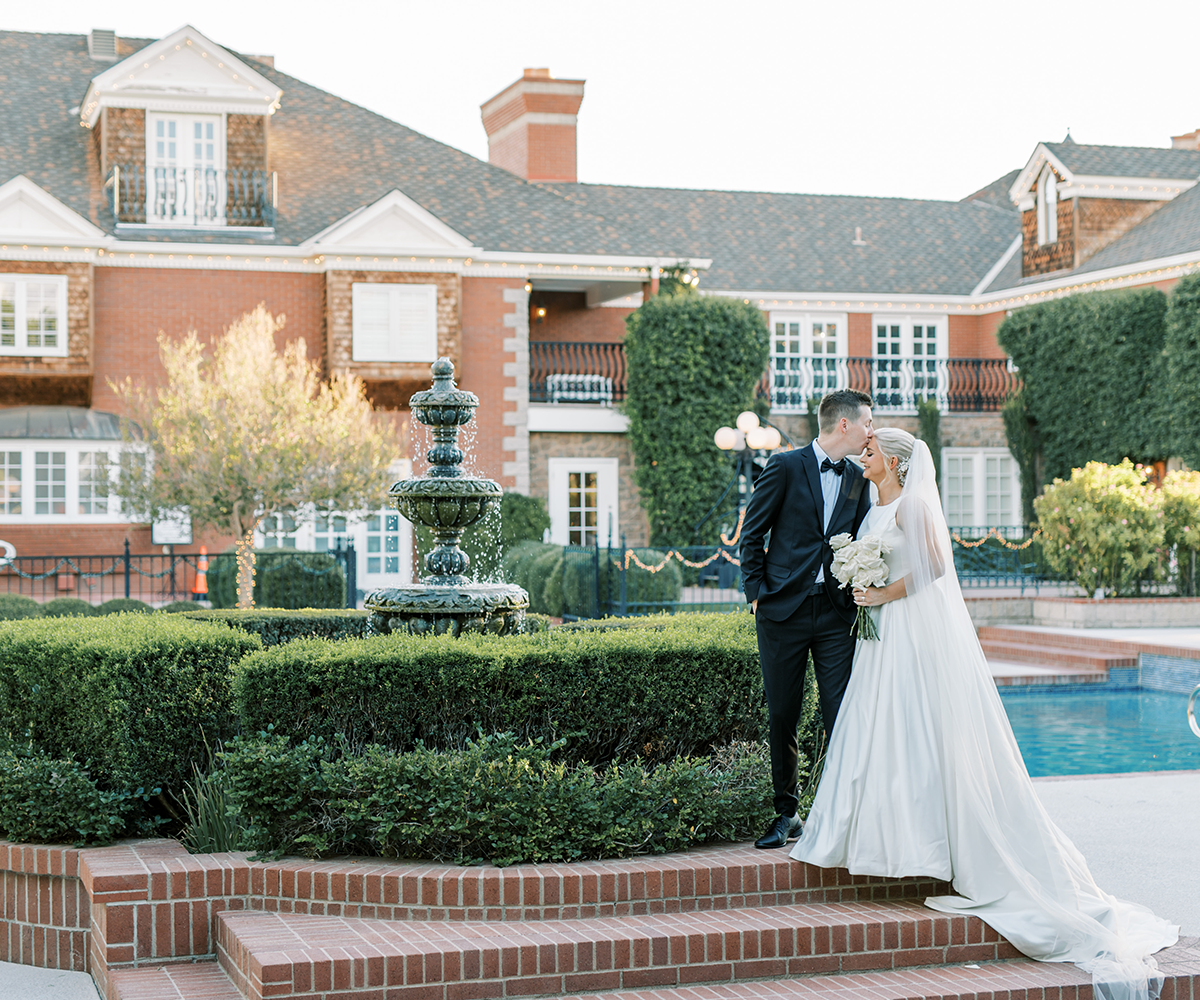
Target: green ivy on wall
x=1095 y=376
x=692 y=365
x=1182 y=355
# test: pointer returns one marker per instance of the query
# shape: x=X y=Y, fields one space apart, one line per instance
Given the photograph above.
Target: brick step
x=1066 y=640
x=191 y=981
x=1020 y=979
x=298 y=956
x=1015 y=651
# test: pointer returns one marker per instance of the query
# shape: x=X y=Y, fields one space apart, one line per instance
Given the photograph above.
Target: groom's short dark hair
x=840 y=403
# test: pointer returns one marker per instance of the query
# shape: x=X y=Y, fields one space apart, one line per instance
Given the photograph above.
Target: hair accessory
x=902 y=471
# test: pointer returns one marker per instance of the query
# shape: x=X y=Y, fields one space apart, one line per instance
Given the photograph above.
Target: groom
x=802 y=499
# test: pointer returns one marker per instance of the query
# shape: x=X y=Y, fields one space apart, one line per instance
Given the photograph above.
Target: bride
x=923 y=776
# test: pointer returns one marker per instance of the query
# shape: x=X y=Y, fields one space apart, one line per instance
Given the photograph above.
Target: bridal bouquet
x=859 y=564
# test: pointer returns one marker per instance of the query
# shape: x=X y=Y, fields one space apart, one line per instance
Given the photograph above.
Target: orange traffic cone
x=200 y=587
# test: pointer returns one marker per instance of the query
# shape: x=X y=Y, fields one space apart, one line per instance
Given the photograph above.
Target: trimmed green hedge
x=14 y=606
x=133 y=696
x=690 y=686
x=67 y=607
x=124 y=605
x=276 y=625
x=641 y=586
x=500 y=800
x=283 y=578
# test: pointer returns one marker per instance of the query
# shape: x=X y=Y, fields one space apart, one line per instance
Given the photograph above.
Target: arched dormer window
x=1047 y=207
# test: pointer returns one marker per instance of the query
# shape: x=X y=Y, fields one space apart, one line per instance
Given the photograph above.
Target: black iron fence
x=292 y=579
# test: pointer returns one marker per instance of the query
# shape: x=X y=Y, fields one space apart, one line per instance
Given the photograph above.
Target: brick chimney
x=1190 y=140
x=530 y=126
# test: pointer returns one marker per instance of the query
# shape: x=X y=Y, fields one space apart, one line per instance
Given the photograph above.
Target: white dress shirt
x=831 y=487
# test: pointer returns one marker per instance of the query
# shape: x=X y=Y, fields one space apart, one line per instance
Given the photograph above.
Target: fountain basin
x=445 y=503
x=431 y=609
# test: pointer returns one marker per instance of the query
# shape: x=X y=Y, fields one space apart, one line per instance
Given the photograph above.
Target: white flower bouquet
x=858 y=564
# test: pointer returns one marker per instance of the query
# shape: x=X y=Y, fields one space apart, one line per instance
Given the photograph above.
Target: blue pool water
x=1103 y=732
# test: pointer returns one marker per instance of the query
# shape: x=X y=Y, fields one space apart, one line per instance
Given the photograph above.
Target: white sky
x=922 y=99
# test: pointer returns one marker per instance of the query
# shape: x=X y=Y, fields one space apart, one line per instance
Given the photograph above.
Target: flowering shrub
x=1104 y=527
x=1181 y=522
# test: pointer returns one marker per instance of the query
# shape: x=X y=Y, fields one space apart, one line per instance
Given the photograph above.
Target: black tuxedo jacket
x=788 y=502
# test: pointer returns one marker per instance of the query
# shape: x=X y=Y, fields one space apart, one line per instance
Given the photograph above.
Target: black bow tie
x=837 y=468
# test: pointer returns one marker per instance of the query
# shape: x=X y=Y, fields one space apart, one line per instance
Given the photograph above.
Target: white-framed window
x=394 y=322
x=185 y=169
x=277 y=531
x=981 y=488
x=808 y=357
x=1047 y=207
x=583 y=501
x=908 y=354
x=33 y=315
x=45 y=481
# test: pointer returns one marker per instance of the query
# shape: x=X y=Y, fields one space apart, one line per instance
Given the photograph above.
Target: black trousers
x=783 y=649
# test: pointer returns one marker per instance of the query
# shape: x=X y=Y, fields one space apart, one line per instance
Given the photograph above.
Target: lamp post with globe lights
x=751 y=437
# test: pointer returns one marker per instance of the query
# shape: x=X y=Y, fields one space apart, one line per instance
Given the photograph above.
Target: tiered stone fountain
x=447 y=501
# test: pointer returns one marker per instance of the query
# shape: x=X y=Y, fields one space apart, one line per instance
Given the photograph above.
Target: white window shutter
x=394 y=322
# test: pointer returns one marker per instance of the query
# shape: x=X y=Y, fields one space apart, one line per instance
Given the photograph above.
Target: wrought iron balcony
x=576 y=372
x=191 y=197
x=959 y=385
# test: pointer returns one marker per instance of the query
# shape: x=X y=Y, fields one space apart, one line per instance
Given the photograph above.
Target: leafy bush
x=121 y=605
x=1103 y=528
x=1181 y=524
x=13 y=606
x=133 y=696
x=693 y=363
x=1024 y=444
x=681 y=690
x=499 y=800
x=67 y=607
x=519 y=519
x=929 y=430
x=642 y=587
x=535 y=623
x=283 y=579
x=1094 y=374
x=1182 y=351
x=276 y=625
x=538 y=569
x=176 y=606
x=55 y=801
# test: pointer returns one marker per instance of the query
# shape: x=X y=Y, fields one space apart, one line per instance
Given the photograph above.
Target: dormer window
x=185 y=182
x=1047 y=207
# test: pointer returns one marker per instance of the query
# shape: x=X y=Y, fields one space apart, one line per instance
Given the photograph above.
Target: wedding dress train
x=923 y=776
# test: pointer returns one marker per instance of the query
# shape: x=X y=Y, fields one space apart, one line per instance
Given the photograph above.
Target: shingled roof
x=1127 y=161
x=333 y=157
x=761 y=241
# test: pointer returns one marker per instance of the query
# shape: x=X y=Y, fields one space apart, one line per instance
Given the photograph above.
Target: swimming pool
x=1102 y=732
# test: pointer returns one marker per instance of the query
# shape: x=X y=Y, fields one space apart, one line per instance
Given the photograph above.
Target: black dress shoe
x=781 y=830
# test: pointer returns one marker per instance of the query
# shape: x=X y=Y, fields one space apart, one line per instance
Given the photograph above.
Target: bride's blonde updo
x=895 y=443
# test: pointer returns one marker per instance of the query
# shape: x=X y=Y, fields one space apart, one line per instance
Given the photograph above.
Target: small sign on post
x=172 y=528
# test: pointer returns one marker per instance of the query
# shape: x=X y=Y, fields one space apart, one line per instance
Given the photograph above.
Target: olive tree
x=246 y=431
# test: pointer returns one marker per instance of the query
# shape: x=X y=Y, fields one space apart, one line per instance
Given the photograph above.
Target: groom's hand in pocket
x=754 y=606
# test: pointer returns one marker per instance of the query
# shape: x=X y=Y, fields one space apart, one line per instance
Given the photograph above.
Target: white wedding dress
x=923 y=777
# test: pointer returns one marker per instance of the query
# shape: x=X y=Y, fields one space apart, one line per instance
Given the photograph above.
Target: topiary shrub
x=67 y=607
x=646 y=591
x=283 y=579
x=500 y=800
x=275 y=625
x=693 y=363
x=13 y=606
x=119 y=605
x=517 y=519
x=1103 y=528
x=133 y=696
x=546 y=583
x=54 y=801
x=518 y=559
x=1182 y=351
x=692 y=685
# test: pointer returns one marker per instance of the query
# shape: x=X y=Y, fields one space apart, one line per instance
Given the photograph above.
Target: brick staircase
x=1060 y=658
x=722 y=923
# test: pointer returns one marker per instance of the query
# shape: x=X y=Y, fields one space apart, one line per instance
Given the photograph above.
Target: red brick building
x=171 y=184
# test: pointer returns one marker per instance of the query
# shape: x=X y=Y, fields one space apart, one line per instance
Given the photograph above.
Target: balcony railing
x=581 y=372
x=576 y=372
x=959 y=385
x=189 y=197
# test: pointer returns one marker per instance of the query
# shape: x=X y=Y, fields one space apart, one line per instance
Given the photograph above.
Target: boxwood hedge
x=616 y=694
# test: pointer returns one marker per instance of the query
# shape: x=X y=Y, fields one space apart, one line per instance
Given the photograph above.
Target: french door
x=185 y=179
